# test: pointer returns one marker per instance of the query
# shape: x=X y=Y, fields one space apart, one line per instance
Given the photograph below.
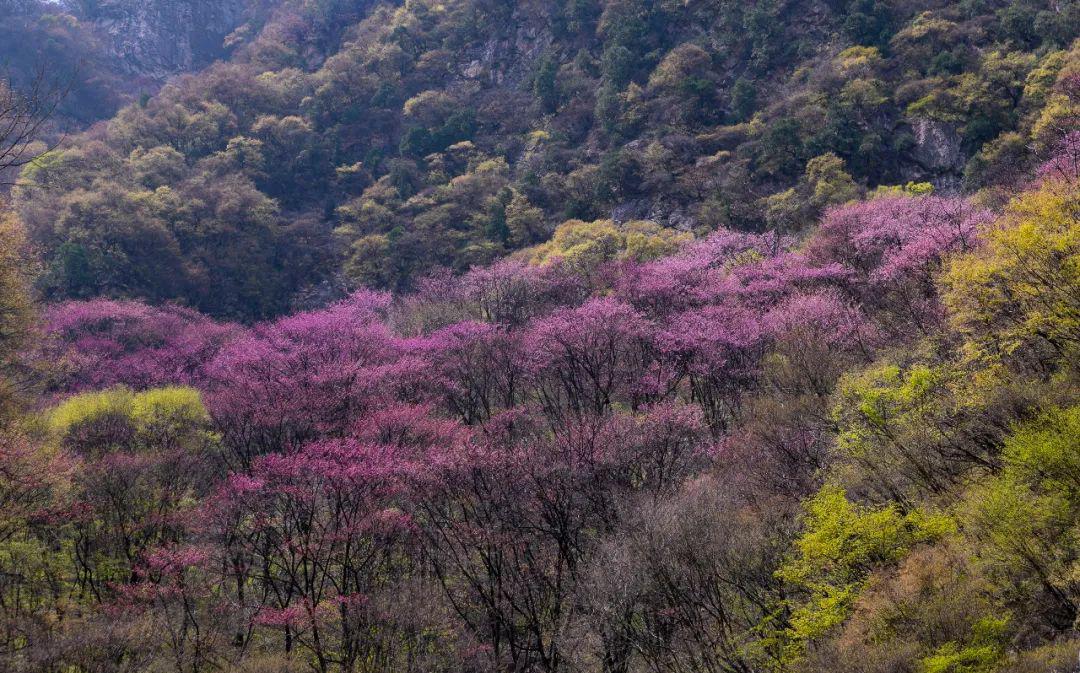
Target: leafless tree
x=24 y=112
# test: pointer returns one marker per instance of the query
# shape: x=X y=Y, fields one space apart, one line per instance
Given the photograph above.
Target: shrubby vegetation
x=548 y=337
x=628 y=450
x=347 y=144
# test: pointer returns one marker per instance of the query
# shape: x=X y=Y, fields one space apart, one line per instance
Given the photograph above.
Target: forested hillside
x=604 y=336
x=856 y=452
x=359 y=143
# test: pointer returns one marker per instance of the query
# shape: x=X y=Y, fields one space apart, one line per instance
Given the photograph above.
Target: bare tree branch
x=23 y=115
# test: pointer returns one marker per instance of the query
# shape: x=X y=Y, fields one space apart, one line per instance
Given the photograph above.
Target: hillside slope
x=858 y=452
x=350 y=143
x=111 y=51
x=545 y=336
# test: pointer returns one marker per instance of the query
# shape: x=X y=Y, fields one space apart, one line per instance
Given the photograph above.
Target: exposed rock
x=937 y=146
x=158 y=38
x=148 y=39
x=17 y=6
x=631 y=210
x=659 y=212
x=473 y=70
x=509 y=61
x=671 y=216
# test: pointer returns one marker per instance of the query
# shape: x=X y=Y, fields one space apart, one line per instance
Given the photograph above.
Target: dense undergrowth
x=551 y=337
x=851 y=452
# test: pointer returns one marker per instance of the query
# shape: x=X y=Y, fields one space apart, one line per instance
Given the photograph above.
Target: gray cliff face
x=938 y=153
x=158 y=38
x=17 y=6
x=34 y=7
x=937 y=146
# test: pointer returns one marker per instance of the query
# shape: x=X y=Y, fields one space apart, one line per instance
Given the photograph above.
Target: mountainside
x=362 y=143
x=111 y=51
x=541 y=336
x=858 y=451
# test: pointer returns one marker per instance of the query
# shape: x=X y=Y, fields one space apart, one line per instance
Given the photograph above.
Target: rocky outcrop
x=158 y=38
x=937 y=145
x=144 y=39
x=935 y=153
x=938 y=153
x=510 y=61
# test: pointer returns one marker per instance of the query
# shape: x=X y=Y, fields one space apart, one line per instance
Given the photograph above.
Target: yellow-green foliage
x=980 y=655
x=910 y=189
x=858 y=60
x=841 y=544
x=829 y=181
x=155 y=417
x=647 y=240
x=825 y=182
x=906 y=432
x=36 y=589
x=992 y=432
x=583 y=245
x=1018 y=531
x=1046 y=452
x=428 y=106
x=16 y=310
x=1040 y=484
x=1058 y=111
x=579 y=242
x=882 y=414
x=1022 y=287
x=1040 y=81
x=681 y=63
x=988 y=93
x=884 y=394
x=168 y=410
x=90 y=407
x=1025 y=521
